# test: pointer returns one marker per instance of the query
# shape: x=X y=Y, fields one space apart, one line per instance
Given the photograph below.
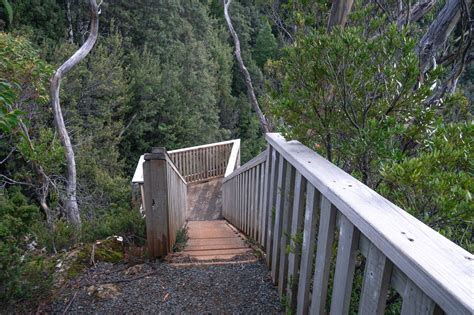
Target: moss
x=109 y=250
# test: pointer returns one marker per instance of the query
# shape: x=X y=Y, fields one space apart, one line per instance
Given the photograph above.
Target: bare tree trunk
x=415 y=14
x=69 y=22
x=438 y=33
x=248 y=81
x=340 y=10
x=71 y=207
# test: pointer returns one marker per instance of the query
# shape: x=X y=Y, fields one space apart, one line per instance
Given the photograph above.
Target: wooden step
x=214 y=241
x=216 y=252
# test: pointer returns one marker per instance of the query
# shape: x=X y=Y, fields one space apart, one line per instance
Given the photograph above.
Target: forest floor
x=158 y=286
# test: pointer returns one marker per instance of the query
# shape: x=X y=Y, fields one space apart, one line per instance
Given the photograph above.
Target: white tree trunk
x=340 y=10
x=71 y=207
x=438 y=33
x=415 y=13
x=248 y=80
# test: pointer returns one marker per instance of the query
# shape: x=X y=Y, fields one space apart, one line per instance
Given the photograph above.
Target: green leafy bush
x=437 y=185
x=16 y=217
x=342 y=95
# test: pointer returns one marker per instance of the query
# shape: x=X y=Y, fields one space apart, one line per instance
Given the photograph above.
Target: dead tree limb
x=415 y=13
x=71 y=207
x=438 y=33
x=248 y=80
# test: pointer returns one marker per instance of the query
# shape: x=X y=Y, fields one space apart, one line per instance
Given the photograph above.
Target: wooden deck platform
x=214 y=240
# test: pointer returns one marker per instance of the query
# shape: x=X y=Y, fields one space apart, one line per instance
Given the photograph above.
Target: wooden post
x=156 y=202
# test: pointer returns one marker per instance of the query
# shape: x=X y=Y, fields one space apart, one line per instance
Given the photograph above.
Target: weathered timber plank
x=415 y=301
x=294 y=256
x=377 y=275
x=280 y=200
x=312 y=210
x=286 y=229
x=271 y=206
x=327 y=224
x=156 y=206
x=345 y=266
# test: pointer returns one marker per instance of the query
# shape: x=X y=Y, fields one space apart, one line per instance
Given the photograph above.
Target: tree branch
x=248 y=80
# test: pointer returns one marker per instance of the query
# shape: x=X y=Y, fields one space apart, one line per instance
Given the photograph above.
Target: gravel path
x=211 y=289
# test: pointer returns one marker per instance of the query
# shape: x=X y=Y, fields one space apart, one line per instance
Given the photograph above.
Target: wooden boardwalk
x=214 y=240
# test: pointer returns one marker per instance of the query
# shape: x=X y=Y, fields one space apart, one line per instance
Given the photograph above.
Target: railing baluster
x=327 y=224
x=280 y=199
x=249 y=193
x=251 y=202
x=246 y=188
x=376 y=282
x=261 y=211
x=271 y=205
x=286 y=228
x=345 y=266
x=416 y=301
x=307 y=248
x=266 y=198
x=295 y=248
x=256 y=210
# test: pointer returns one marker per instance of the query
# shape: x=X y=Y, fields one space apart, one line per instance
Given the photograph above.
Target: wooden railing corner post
x=155 y=186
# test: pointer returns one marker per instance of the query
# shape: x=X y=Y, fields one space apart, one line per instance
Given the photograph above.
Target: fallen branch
x=92 y=260
x=70 y=303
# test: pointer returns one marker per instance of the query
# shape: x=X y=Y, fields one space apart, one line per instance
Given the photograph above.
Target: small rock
x=104 y=291
x=134 y=270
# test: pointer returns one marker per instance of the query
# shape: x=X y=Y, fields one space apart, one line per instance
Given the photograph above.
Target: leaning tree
x=70 y=200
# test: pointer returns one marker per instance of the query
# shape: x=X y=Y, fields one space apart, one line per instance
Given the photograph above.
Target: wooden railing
x=242 y=193
x=163 y=187
x=204 y=162
x=302 y=196
x=164 y=199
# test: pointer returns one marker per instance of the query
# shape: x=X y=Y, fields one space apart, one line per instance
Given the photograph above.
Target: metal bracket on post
x=155 y=185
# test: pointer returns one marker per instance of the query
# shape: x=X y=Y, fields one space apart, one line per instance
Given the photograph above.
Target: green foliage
x=16 y=217
x=8 y=118
x=180 y=81
x=248 y=130
x=265 y=45
x=21 y=65
x=296 y=241
x=181 y=240
x=44 y=20
x=350 y=100
x=109 y=250
x=437 y=185
x=8 y=10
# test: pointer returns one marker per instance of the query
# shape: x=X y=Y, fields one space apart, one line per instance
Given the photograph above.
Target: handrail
x=438 y=266
x=203 y=146
x=168 y=159
x=234 y=158
x=204 y=162
x=294 y=190
x=189 y=170
x=261 y=158
x=138 y=175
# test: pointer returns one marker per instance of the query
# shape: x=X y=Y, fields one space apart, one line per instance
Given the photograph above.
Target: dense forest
x=383 y=89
